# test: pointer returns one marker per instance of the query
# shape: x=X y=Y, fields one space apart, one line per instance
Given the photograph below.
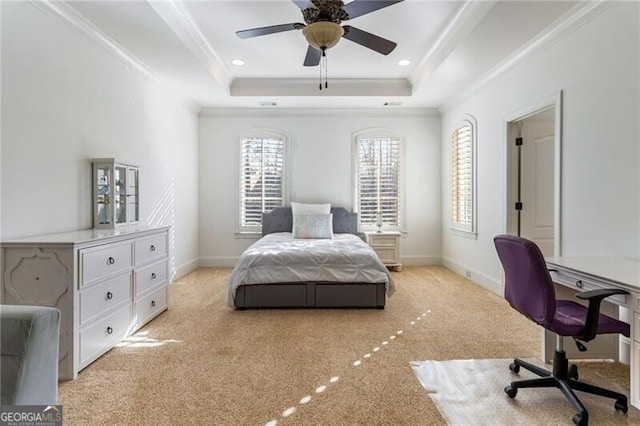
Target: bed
x=279 y=271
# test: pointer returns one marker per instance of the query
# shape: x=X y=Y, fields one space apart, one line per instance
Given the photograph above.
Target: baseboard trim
x=184 y=269
x=420 y=260
x=487 y=281
x=217 y=261
x=490 y=283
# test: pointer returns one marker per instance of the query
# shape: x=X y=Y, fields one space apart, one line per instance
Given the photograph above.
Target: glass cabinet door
x=132 y=194
x=120 y=177
x=103 y=192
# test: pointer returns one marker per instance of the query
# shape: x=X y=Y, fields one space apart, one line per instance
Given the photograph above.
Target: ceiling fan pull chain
x=323 y=65
x=326 y=67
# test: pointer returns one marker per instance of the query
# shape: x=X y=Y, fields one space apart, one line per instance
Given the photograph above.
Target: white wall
x=320 y=171
x=66 y=99
x=597 y=69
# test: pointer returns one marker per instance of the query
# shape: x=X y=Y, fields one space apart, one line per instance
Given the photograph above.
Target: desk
x=588 y=273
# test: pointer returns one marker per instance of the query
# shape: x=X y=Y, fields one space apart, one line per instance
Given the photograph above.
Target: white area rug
x=471 y=392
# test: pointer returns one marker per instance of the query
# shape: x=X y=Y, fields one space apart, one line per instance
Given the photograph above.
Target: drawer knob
x=153 y=303
x=111 y=260
x=579 y=284
x=109 y=330
x=152 y=248
x=109 y=295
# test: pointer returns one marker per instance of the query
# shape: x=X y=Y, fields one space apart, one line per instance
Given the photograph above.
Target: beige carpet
x=203 y=363
x=470 y=392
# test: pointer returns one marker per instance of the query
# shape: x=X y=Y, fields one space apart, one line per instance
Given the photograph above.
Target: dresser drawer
x=150 y=306
x=100 y=337
x=100 y=298
x=150 y=276
x=383 y=240
x=149 y=248
x=581 y=283
x=387 y=255
x=96 y=263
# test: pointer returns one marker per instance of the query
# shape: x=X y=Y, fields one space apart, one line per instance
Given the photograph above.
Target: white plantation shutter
x=379 y=181
x=462 y=185
x=262 y=161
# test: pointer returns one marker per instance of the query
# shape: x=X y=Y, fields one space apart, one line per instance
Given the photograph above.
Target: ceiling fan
x=323 y=30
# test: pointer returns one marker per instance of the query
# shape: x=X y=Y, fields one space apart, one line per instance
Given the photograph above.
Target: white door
x=537 y=181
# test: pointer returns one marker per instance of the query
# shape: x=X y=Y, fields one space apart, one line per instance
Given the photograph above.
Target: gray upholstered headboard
x=280 y=219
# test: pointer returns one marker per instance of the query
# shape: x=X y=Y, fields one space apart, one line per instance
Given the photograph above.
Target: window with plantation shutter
x=262 y=167
x=462 y=178
x=379 y=181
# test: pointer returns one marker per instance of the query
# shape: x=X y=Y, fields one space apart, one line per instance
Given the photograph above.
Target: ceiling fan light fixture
x=323 y=34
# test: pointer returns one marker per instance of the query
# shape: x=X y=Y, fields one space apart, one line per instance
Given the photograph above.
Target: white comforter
x=279 y=258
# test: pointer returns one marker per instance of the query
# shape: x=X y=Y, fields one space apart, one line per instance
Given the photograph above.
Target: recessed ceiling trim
x=318 y=112
x=463 y=22
x=70 y=16
x=179 y=20
x=309 y=87
x=574 y=18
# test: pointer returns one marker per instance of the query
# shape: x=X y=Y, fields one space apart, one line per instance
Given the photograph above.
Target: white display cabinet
x=115 y=193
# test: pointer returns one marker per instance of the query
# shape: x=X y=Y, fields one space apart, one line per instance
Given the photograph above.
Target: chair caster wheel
x=621 y=405
x=511 y=392
x=579 y=420
x=514 y=367
x=573 y=372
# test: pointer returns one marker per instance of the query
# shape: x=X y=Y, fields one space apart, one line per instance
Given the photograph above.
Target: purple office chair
x=529 y=289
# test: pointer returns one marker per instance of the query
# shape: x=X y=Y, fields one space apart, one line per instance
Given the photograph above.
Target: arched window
x=463 y=188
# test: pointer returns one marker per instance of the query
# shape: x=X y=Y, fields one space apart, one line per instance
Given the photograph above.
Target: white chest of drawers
x=106 y=283
x=386 y=244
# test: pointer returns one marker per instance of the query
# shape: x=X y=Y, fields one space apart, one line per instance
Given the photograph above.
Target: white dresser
x=106 y=283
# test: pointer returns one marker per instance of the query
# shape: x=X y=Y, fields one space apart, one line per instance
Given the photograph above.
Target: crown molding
x=309 y=87
x=467 y=17
x=72 y=18
x=181 y=22
x=318 y=112
x=573 y=19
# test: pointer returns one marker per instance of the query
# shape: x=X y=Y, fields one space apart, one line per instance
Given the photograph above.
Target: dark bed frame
x=310 y=294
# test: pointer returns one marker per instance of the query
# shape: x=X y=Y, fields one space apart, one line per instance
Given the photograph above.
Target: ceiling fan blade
x=372 y=41
x=362 y=7
x=313 y=57
x=303 y=4
x=255 y=32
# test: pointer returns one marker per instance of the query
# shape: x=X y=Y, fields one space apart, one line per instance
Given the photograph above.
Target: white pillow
x=313 y=226
x=299 y=208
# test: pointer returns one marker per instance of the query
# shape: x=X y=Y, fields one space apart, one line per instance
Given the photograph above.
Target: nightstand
x=386 y=244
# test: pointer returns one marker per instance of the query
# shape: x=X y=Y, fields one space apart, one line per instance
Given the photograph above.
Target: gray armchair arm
x=29 y=337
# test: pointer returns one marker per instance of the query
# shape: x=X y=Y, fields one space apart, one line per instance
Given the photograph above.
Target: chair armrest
x=595 y=298
x=600 y=293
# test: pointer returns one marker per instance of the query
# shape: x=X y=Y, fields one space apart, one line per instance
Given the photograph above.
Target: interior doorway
x=533 y=177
